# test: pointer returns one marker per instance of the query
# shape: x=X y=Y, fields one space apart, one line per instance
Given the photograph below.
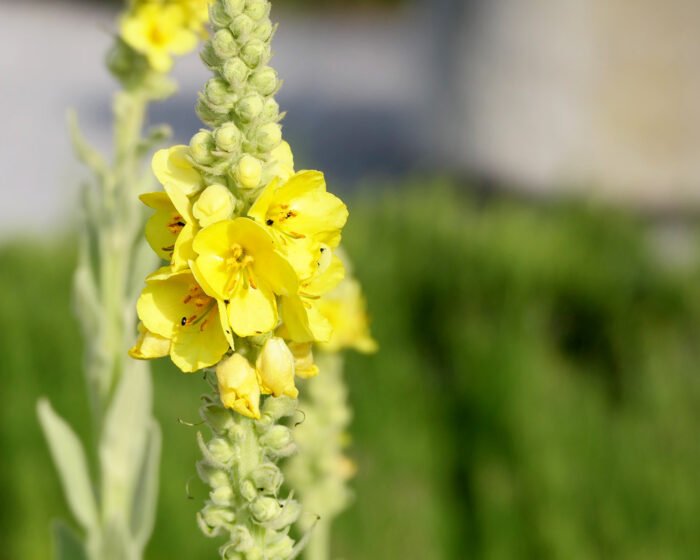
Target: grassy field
x=537 y=393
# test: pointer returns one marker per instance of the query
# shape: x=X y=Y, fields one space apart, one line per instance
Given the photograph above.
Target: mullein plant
x=116 y=509
x=250 y=254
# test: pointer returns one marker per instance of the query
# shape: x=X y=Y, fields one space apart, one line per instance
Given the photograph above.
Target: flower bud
x=267 y=478
x=238 y=386
x=248 y=490
x=214 y=518
x=224 y=44
x=275 y=366
x=201 y=146
x=208 y=115
x=268 y=137
x=233 y=7
x=241 y=26
x=235 y=72
x=218 y=418
x=248 y=172
x=277 y=437
x=222 y=496
x=257 y=9
x=264 y=81
x=209 y=56
x=217 y=93
x=241 y=540
x=303 y=359
x=255 y=52
x=263 y=30
x=270 y=111
x=218 y=15
x=215 y=204
x=228 y=137
x=211 y=475
x=249 y=108
x=265 y=509
x=221 y=450
x=291 y=510
x=279 y=408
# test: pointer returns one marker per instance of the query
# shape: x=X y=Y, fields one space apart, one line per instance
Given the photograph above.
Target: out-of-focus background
x=524 y=185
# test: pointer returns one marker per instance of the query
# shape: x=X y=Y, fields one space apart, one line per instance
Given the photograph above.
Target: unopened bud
x=228 y=137
x=215 y=204
x=222 y=496
x=211 y=475
x=267 y=478
x=218 y=418
x=241 y=26
x=277 y=437
x=248 y=172
x=264 y=80
x=249 y=108
x=263 y=30
x=248 y=490
x=265 y=509
x=257 y=9
x=241 y=540
x=235 y=72
x=201 y=146
x=270 y=111
x=303 y=359
x=268 y=137
x=218 y=15
x=291 y=510
x=283 y=548
x=275 y=365
x=217 y=92
x=280 y=407
x=214 y=518
x=224 y=44
x=233 y=7
x=209 y=56
x=221 y=450
x=254 y=53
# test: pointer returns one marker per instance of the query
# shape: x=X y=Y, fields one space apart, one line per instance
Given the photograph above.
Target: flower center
x=202 y=305
x=237 y=262
x=176 y=224
x=279 y=214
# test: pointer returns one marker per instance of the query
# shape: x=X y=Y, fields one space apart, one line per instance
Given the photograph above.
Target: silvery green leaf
x=143 y=513
x=69 y=457
x=123 y=442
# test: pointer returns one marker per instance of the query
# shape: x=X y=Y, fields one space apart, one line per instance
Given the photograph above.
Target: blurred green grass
x=537 y=392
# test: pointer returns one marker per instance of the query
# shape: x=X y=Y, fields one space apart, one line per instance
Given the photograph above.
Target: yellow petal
x=172 y=168
x=252 y=310
x=199 y=345
x=149 y=345
x=302 y=321
x=238 y=386
x=275 y=366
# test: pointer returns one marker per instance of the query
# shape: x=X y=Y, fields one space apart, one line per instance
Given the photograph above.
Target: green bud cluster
x=240 y=466
x=320 y=471
x=238 y=100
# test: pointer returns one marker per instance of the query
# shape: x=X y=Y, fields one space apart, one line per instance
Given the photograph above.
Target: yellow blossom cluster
x=245 y=277
x=159 y=29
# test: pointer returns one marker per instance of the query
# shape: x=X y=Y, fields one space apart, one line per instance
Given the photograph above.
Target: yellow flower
x=238 y=386
x=281 y=164
x=238 y=262
x=304 y=365
x=172 y=168
x=158 y=31
x=302 y=319
x=175 y=307
x=149 y=345
x=345 y=310
x=196 y=14
x=171 y=230
x=215 y=204
x=275 y=367
x=301 y=215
